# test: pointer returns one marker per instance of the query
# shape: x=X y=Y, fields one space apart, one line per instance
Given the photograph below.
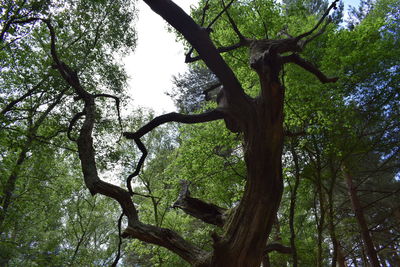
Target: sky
x=157 y=58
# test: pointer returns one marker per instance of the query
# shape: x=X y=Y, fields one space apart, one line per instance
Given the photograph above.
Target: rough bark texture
x=357 y=208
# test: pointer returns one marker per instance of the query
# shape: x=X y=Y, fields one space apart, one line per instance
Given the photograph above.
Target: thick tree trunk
x=357 y=208
x=247 y=231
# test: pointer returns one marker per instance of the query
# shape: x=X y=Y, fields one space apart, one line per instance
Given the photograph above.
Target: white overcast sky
x=157 y=58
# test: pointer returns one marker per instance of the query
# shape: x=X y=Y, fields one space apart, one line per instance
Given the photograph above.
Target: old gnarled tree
x=259 y=120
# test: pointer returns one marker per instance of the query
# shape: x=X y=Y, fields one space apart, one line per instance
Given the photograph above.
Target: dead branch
x=200 y=40
x=207 y=212
x=308 y=66
x=220 y=14
x=278 y=248
x=234 y=26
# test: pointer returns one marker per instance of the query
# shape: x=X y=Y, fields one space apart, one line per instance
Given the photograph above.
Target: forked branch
x=321 y=20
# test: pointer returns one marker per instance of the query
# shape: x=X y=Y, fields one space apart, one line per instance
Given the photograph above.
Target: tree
x=38 y=163
x=260 y=120
x=348 y=124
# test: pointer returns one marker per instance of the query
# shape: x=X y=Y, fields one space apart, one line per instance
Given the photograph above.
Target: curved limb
x=308 y=66
x=72 y=123
x=170 y=117
x=143 y=149
x=175 y=117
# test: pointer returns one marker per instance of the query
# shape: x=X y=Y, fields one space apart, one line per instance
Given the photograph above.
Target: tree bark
x=358 y=211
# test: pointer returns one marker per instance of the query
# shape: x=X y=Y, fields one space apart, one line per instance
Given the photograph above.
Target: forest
x=283 y=150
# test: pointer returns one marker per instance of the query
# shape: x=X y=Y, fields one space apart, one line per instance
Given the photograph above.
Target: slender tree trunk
x=321 y=219
x=338 y=258
x=341 y=260
x=357 y=208
x=277 y=238
x=382 y=260
x=10 y=184
x=293 y=198
x=354 y=261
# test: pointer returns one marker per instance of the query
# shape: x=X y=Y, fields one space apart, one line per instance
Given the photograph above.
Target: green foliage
x=47 y=216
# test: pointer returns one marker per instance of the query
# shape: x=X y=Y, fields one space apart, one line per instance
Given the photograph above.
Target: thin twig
x=119 y=241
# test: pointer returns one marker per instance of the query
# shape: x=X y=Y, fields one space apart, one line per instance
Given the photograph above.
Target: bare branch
x=207 y=212
x=205 y=8
x=14 y=21
x=243 y=40
x=170 y=117
x=143 y=149
x=166 y=238
x=175 y=117
x=295 y=58
x=317 y=34
x=21 y=98
x=119 y=241
x=188 y=57
x=220 y=14
x=136 y=229
x=278 y=248
x=234 y=26
x=333 y=5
